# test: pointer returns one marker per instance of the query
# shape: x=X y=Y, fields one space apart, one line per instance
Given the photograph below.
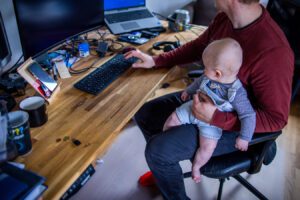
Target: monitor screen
x=45 y=23
x=119 y=4
x=5 y=53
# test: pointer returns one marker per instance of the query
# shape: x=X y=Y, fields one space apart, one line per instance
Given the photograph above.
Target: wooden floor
x=116 y=178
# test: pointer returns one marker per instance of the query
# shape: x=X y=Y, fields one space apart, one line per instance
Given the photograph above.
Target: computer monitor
x=5 y=53
x=119 y=4
x=45 y=23
x=10 y=44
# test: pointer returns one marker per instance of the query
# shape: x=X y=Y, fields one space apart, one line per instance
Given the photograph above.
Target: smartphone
x=43 y=76
x=133 y=40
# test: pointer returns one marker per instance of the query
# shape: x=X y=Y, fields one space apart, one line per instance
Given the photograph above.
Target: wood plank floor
x=116 y=178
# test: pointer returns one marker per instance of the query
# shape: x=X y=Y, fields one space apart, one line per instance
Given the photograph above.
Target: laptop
x=122 y=16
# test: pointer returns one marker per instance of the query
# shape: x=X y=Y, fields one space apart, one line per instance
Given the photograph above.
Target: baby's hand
x=241 y=144
x=185 y=96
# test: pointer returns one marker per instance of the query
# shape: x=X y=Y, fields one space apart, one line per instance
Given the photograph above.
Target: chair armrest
x=263 y=137
x=263 y=150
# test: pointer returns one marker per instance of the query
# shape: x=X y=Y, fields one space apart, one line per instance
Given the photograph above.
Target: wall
x=166 y=7
x=264 y=2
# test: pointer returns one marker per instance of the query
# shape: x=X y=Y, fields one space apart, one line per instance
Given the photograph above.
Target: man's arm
x=271 y=86
x=191 y=51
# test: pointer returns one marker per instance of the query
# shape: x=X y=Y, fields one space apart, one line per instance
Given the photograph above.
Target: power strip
x=79 y=183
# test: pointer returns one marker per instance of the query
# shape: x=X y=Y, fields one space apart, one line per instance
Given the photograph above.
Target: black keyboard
x=127 y=16
x=99 y=79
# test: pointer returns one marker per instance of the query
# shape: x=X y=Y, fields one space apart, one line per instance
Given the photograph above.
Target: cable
x=113 y=45
x=177 y=38
x=201 y=28
x=194 y=32
x=116 y=46
x=79 y=71
x=72 y=45
x=16 y=64
x=182 y=37
x=164 y=17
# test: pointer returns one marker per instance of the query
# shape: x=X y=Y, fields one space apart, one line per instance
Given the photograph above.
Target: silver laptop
x=122 y=16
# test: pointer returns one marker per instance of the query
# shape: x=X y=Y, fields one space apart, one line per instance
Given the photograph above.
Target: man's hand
x=203 y=108
x=241 y=144
x=145 y=61
x=184 y=96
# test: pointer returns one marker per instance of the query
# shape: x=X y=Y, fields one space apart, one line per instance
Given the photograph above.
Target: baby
x=222 y=60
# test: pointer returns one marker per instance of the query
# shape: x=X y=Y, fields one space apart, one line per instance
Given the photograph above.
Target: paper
x=62 y=70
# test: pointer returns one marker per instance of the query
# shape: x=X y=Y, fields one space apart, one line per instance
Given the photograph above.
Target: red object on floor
x=147 y=179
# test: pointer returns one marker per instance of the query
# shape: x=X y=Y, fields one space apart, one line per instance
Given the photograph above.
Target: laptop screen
x=119 y=4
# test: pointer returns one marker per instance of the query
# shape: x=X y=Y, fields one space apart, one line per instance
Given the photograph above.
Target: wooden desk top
x=93 y=120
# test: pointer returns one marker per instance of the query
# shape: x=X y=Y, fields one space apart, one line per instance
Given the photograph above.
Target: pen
x=54 y=72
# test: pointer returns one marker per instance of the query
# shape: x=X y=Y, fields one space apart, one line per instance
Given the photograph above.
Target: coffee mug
x=36 y=108
x=19 y=131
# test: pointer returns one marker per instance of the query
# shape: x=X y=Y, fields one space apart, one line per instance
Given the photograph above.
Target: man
x=266 y=74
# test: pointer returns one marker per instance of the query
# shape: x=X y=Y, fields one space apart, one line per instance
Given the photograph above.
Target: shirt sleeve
x=270 y=82
x=192 y=88
x=245 y=113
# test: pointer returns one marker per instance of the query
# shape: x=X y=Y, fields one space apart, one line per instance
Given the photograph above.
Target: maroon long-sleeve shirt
x=266 y=73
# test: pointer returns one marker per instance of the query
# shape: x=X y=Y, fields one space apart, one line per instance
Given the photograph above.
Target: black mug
x=36 y=108
x=19 y=131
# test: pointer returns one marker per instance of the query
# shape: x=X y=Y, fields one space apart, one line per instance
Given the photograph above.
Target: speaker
x=5 y=53
x=10 y=44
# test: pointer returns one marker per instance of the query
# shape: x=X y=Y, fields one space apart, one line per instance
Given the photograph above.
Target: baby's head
x=222 y=60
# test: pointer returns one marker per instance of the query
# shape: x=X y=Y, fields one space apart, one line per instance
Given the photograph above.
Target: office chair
x=262 y=150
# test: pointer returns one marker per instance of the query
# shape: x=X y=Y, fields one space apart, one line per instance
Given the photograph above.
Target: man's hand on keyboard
x=145 y=61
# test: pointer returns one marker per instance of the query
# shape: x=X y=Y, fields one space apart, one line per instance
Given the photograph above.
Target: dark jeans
x=164 y=150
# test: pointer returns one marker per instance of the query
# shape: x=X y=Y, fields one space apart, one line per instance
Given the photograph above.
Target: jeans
x=164 y=150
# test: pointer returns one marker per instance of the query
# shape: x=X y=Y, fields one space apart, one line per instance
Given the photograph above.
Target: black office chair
x=262 y=150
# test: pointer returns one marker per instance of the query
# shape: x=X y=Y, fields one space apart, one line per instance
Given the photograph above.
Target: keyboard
x=128 y=16
x=99 y=79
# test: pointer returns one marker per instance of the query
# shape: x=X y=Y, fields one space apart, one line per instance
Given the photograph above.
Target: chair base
x=222 y=180
x=245 y=183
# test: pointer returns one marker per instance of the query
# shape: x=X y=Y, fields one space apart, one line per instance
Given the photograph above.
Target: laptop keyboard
x=127 y=16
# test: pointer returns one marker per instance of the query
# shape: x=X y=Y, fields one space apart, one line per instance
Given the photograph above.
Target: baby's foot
x=196 y=175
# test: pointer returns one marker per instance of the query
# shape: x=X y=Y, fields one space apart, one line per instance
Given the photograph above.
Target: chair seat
x=227 y=165
x=238 y=162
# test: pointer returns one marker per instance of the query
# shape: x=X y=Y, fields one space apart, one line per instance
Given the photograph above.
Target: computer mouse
x=127 y=49
x=165 y=85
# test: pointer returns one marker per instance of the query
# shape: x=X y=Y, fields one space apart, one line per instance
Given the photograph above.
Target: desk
x=93 y=120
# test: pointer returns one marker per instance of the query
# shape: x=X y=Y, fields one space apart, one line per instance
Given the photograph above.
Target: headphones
x=166 y=46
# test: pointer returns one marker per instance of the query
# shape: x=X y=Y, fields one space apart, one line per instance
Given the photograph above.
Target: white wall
x=264 y=2
x=166 y=7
